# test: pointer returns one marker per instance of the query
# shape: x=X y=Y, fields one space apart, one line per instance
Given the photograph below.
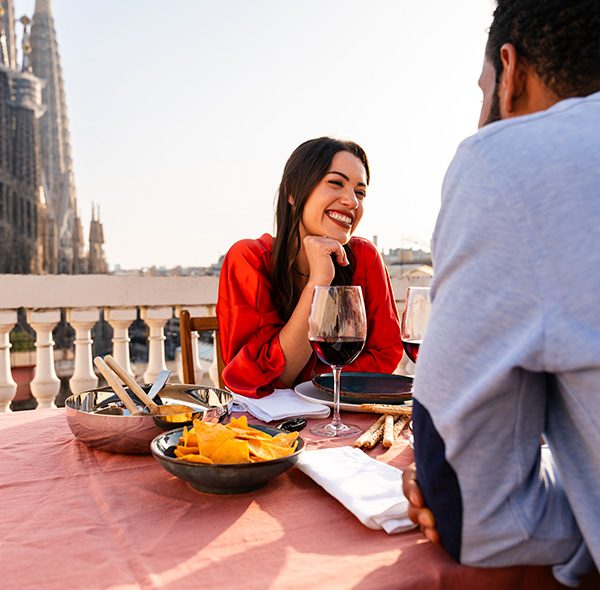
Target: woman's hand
x=318 y=250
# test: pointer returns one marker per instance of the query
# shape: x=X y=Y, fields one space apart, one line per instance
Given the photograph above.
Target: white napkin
x=282 y=403
x=370 y=489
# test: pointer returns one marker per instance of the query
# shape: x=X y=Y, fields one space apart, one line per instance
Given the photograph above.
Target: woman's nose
x=349 y=199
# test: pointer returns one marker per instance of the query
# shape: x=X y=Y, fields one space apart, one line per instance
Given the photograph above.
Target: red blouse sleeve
x=249 y=324
x=383 y=348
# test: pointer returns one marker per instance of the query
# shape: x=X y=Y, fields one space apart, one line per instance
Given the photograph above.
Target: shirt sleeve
x=383 y=347
x=481 y=388
x=248 y=322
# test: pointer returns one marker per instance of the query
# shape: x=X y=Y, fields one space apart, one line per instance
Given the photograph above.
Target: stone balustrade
x=119 y=297
x=84 y=297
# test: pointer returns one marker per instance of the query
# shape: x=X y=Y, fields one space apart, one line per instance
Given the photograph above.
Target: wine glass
x=414 y=320
x=337 y=330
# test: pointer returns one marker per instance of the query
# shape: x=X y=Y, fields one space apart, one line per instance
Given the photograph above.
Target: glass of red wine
x=337 y=330
x=414 y=320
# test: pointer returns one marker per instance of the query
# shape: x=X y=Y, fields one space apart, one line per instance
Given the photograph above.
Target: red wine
x=411 y=347
x=337 y=352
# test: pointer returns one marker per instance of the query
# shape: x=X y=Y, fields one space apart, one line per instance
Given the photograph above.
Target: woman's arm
x=294 y=335
x=258 y=349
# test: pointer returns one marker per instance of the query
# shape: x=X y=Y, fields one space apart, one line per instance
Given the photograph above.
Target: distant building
x=40 y=228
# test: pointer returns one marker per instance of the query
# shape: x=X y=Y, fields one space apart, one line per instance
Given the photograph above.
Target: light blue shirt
x=512 y=350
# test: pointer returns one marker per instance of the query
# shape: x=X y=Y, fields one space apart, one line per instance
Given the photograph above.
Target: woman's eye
x=360 y=194
x=336 y=182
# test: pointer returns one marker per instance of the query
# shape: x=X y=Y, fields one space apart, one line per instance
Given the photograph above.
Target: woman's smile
x=341 y=218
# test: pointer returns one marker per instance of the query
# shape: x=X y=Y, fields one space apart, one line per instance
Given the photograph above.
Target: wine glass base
x=332 y=430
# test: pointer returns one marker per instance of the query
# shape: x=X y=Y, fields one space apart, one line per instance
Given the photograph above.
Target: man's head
x=539 y=52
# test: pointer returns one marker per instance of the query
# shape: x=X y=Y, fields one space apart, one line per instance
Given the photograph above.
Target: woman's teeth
x=339 y=217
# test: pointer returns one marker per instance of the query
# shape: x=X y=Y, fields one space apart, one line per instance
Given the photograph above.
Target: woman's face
x=335 y=206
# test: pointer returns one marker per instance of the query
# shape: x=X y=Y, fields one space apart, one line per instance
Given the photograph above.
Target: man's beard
x=494 y=114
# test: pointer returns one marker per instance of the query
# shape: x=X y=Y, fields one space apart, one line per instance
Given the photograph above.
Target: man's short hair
x=560 y=39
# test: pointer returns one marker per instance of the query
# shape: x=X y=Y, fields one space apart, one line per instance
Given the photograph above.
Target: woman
x=266 y=285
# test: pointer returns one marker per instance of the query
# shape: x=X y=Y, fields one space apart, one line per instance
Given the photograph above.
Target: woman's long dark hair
x=303 y=171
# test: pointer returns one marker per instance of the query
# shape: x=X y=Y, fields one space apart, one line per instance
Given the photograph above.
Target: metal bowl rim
x=71 y=399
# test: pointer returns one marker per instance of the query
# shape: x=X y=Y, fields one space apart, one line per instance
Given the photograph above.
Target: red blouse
x=249 y=323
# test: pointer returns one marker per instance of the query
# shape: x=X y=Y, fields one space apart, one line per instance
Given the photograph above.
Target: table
x=75 y=517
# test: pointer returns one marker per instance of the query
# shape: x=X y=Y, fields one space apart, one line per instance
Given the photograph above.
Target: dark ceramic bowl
x=98 y=418
x=224 y=478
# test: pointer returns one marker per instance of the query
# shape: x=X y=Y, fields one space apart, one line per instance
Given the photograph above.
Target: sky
x=183 y=113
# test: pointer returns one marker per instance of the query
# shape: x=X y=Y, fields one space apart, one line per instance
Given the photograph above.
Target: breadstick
x=387 y=409
x=371 y=437
x=388 y=431
x=400 y=424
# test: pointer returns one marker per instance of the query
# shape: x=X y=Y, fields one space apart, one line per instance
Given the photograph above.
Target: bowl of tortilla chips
x=227 y=458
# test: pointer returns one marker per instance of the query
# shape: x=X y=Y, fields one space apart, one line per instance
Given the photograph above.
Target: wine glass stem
x=337 y=373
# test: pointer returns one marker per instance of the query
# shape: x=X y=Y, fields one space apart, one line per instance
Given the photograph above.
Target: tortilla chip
x=233 y=443
x=232 y=451
x=265 y=451
x=211 y=437
x=181 y=450
x=285 y=439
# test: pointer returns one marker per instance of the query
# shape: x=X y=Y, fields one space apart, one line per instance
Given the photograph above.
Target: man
x=512 y=352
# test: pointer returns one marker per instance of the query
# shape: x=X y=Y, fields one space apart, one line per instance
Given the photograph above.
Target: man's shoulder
x=567 y=120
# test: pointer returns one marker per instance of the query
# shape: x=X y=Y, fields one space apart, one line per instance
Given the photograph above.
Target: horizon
x=181 y=123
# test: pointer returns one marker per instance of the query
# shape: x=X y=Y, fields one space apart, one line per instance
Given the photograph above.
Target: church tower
x=57 y=167
x=40 y=228
x=20 y=109
x=96 y=260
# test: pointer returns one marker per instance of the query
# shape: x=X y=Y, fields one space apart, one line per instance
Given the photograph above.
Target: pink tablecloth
x=73 y=517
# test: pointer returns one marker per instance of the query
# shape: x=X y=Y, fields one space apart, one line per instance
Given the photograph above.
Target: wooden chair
x=189 y=324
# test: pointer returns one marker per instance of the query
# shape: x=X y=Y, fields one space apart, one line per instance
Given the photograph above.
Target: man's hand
x=417 y=511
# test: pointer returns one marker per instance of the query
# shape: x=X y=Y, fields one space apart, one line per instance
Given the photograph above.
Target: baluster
x=120 y=319
x=156 y=318
x=8 y=386
x=45 y=385
x=83 y=320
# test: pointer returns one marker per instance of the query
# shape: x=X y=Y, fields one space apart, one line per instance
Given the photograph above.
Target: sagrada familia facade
x=40 y=228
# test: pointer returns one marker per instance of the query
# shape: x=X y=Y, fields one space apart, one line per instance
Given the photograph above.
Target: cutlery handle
x=116 y=386
x=131 y=383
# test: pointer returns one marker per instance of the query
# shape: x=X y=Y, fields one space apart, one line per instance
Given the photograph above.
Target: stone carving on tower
x=40 y=228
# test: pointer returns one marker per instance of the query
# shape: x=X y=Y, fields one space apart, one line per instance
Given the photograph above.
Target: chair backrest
x=189 y=324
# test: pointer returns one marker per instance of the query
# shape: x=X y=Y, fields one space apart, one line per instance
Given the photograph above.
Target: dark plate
x=225 y=478
x=367 y=388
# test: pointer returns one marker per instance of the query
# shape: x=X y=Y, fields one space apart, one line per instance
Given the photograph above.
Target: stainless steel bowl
x=98 y=418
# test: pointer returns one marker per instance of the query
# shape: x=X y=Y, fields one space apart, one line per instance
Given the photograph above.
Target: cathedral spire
x=42 y=6
x=57 y=172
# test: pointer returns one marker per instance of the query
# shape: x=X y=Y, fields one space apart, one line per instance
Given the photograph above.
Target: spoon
x=116 y=386
x=155 y=409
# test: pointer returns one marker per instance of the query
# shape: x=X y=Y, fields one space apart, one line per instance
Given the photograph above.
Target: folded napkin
x=282 y=403
x=371 y=490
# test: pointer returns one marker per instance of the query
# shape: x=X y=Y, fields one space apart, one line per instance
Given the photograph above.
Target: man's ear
x=513 y=81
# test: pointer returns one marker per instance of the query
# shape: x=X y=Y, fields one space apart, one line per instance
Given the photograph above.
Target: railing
x=83 y=297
